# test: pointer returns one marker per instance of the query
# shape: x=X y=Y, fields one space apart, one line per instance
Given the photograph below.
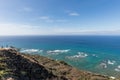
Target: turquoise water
x=99 y=54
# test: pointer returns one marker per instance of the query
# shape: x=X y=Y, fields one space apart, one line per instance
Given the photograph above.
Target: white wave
x=111 y=77
x=58 y=51
x=31 y=51
x=111 y=62
x=103 y=65
x=94 y=55
x=79 y=55
x=118 y=68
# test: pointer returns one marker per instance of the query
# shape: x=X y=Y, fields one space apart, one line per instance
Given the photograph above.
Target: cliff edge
x=19 y=66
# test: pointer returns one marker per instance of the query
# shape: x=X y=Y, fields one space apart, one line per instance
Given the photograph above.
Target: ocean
x=98 y=54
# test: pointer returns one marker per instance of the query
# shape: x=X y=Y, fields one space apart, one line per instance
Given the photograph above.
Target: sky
x=59 y=17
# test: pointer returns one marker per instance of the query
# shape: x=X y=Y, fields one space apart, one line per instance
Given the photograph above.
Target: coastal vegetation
x=20 y=66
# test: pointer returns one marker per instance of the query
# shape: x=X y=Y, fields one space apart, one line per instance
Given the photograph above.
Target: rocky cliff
x=19 y=66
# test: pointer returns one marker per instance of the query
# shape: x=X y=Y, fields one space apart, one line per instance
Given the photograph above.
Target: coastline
x=59 y=70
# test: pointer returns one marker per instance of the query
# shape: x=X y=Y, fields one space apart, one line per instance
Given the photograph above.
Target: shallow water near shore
x=99 y=54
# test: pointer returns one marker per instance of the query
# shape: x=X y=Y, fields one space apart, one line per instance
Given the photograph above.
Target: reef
x=20 y=66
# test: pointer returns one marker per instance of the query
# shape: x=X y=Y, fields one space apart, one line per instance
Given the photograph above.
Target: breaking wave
x=58 y=51
x=79 y=55
x=31 y=51
x=111 y=62
x=106 y=63
x=118 y=68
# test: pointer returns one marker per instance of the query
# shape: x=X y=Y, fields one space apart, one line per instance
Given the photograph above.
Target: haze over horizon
x=59 y=17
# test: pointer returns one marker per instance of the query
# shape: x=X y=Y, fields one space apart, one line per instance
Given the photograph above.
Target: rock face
x=18 y=66
x=23 y=68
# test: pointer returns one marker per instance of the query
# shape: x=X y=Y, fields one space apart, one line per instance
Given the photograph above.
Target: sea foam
x=31 y=51
x=79 y=55
x=118 y=68
x=111 y=62
x=58 y=51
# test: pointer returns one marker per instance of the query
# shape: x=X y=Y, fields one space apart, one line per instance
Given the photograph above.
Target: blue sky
x=59 y=17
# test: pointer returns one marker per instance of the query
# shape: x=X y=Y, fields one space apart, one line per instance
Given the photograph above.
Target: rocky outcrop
x=18 y=66
x=24 y=68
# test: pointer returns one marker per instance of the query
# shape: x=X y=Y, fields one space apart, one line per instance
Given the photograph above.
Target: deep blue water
x=97 y=51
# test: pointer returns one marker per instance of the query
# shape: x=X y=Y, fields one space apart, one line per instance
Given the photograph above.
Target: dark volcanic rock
x=18 y=66
x=24 y=68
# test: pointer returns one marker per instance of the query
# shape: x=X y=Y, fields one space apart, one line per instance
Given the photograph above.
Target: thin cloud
x=26 y=9
x=18 y=29
x=74 y=14
x=44 y=17
x=78 y=31
x=61 y=20
x=48 y=19
x=21 y=29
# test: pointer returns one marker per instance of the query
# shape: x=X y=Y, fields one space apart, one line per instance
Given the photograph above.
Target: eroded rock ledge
x=18 y=66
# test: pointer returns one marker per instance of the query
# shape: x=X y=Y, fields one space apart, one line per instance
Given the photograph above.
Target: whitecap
x=31 y=51
x=79 y=55
x=112 y=77
x=111 y=62
x=118 y=68
x=94 y=55
x=58 y=51
x=103 y=65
